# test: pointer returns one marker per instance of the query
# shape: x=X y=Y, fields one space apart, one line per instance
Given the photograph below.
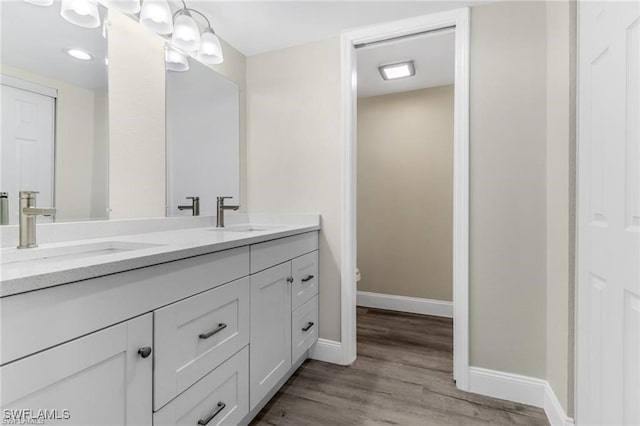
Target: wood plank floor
x=403 y=376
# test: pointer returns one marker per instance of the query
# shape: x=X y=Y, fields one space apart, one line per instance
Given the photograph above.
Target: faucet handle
x=28 y=194
x=193 y=198
x=225 y=197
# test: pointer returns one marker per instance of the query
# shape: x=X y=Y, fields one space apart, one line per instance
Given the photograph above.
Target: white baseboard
x=517 y=388
x=327 y=351
x=512 y=387
x=553 y=409
x=414 y=305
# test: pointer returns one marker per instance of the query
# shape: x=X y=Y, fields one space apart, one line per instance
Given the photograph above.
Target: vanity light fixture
x=175 y=60
x=187 y=37
x=77 y=53
x=185 y=31
x=83 y=13
x=397 y=70
x=156 y=15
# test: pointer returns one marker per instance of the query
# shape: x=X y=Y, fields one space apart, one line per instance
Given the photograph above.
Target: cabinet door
x=270 y=348
x=99 y=379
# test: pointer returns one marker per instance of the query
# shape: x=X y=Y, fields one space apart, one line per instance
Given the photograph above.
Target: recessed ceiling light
x=83 y=55
x=397 y=70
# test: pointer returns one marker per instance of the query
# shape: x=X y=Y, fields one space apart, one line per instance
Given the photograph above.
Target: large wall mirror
x=54 y=112
x=95 y=166
x=202 y=138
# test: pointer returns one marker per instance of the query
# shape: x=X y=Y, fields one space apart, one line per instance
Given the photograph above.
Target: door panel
x=26 y=147
x=608 y=289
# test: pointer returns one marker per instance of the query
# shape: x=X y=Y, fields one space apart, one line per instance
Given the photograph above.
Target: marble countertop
x=56 y=264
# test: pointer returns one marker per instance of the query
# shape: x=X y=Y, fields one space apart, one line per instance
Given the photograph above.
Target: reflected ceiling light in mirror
x=83 y=13
x=156 y=15
x=185 y=31
x=40 y=2
x=210 y=50
x=130 y=7
x=175 y=60
x=77 y=53
x=397 y=70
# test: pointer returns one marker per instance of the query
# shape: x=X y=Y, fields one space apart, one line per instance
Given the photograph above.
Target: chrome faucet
x=28 y=212
x=194 y=207
x=220 y=208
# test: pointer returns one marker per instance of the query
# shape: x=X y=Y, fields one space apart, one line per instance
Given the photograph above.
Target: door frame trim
x=28 y=86
x=460 y=18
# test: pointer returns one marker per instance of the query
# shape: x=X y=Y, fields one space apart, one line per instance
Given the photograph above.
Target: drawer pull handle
x=309 y=325
x=218 y=329
x=289 y=280
x=144 y=352
x=219 y=408
x=307 y=278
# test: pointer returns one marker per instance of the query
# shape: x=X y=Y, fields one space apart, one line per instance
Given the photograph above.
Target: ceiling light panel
x=397 y=70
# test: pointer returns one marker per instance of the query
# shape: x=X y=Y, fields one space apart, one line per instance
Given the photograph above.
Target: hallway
x=402 y=376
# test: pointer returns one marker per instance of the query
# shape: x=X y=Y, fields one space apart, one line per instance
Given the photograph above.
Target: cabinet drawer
x=195 y=335
x=31 y=322
x=223 y=392
x=269 y=253
x=304 y=328
x=304 y=270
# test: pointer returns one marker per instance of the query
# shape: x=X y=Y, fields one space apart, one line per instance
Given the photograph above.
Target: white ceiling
x=33 y=39
x=255 y=27
x=432 y=54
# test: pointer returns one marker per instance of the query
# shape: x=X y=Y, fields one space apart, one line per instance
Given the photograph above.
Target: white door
x=26 y=147
x=99 y=379
x=608 y=293
x=270 y=348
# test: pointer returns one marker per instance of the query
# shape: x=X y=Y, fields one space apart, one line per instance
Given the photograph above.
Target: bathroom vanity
x=189 y=326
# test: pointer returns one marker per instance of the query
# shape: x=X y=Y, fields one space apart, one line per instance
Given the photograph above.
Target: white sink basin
x=25 y=257
x=246 y=228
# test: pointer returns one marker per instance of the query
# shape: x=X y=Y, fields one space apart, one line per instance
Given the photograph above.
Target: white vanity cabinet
x=200 y=340
x=100 y=379
x=283 y=303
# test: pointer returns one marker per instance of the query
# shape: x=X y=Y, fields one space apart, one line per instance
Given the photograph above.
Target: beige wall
x=560 y=192
x=294 y=150
x=75 y=151
x=405 y=190
x=508 y=187
x=294 y=113
x=136 y=120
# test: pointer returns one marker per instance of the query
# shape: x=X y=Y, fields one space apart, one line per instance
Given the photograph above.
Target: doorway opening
x=457 y=22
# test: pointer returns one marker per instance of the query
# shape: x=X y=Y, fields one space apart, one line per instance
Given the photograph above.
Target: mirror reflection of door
x=27 y=145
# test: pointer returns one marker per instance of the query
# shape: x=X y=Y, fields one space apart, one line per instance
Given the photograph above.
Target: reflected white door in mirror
x=26 y=151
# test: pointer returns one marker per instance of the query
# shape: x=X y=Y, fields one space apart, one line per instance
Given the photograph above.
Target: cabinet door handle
x=218 y=329
x=289 y=280
x=307 y=278
x=219 y=408
x=144 y=352
x=308 y=326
